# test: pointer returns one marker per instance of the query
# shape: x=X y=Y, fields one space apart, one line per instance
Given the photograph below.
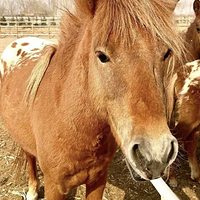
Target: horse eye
x=198 y=29
x=167 y=54
x=102 y=57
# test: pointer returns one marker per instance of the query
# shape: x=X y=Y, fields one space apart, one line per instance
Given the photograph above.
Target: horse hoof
x=195 y=176
x=32 y=196
x=173 y=183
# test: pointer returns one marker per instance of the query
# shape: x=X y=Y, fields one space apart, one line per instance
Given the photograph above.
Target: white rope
x=163 y=189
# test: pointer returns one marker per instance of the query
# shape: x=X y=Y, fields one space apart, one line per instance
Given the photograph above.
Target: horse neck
x=72 y=57
x=69 y=90
x=69 y=69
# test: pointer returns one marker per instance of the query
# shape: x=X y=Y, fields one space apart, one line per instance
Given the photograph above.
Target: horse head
x=126 y=84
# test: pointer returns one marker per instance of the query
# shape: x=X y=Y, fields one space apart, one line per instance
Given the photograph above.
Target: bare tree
x=2 y=8
x=12 y=5
x=61 y=6
x=39 y=8
x=35 y=7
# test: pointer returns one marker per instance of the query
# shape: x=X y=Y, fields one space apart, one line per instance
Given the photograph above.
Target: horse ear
x=89 y=6
x=196 y=7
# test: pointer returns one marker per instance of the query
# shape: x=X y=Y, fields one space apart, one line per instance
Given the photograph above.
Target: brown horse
x=192 y=36
x=187 y=128
x=187 y=88
x=106 y=80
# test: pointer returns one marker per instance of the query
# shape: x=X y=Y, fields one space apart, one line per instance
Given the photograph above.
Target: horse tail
x=37 y=74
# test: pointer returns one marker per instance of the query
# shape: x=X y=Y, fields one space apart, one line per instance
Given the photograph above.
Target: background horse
x=187 y=88
x=106 y=80
x=192 y=36
x=187 y=128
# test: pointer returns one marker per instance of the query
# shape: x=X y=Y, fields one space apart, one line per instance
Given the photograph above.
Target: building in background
x=184 y=13
x=184 y=7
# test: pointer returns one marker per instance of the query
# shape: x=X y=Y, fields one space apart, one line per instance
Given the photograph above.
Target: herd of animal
x=117 y=77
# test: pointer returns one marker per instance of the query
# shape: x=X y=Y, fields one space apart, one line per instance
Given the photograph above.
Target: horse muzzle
x=150 y=159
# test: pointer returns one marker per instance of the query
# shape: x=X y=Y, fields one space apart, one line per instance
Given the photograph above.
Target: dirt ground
x=120 y=186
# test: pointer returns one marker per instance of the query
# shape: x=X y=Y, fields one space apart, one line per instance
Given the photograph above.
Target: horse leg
x=52 y=191
x=95 y=190
x=181 y=132
x=33 y=180
x=191 y=147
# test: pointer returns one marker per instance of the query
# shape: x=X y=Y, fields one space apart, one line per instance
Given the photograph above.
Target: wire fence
x=49 y=27
x=184 y=21
x=27 y=27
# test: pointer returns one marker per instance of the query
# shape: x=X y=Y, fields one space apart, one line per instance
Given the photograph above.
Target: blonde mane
x=120 y=17
x=38 y=73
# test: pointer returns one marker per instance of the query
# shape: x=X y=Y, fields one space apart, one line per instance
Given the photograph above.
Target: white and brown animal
x=187 y=89
x=187 y=92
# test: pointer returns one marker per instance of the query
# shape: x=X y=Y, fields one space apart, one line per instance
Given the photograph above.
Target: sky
x=184 y=7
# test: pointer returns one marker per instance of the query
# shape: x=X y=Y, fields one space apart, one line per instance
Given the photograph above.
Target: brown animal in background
x=192 y=36
x=106 y=80
x=187 y=128
x=187 y=88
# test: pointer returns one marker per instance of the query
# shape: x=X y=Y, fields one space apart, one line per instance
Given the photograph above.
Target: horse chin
x=134 y=175
x=137 y=175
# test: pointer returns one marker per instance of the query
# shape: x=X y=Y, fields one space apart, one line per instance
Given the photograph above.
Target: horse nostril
x=135 y=148
x=171 y=153
x=137 y=156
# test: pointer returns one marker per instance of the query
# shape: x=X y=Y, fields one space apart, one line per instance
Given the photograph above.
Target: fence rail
x=48 y=27
x=184 y=21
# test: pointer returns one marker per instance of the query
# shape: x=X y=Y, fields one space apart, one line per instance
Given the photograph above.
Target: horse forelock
x=122 y=18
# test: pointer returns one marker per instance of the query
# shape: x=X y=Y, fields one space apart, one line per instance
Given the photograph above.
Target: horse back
x=17 y=63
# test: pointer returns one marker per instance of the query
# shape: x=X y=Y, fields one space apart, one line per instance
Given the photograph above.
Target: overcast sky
x=184 y=7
